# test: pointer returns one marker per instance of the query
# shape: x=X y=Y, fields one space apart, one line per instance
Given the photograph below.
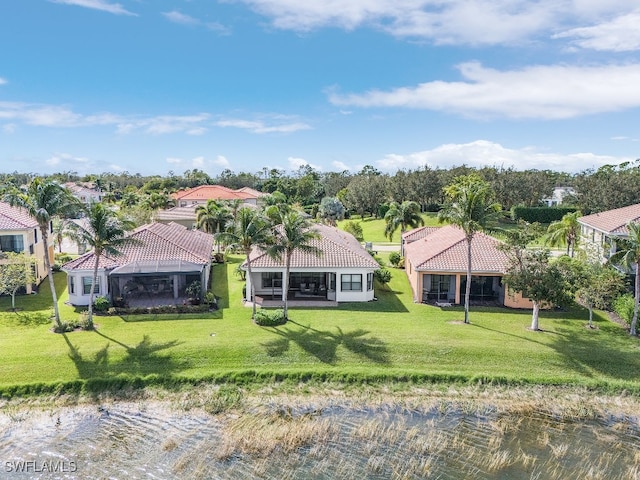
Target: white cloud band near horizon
x=482 y=153
x=539 y=91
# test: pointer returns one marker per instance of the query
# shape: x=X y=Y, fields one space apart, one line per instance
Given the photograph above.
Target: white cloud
x=221 y=161
x=3 y=81
x=101 y=5
x=65 y=159
x=277 y=126
x=184 y=19
x=295 y=163
x=198 y=162
x=442 y=22
x=482 y=153
x=549 y=92
x=340 y=166
x=619 y=35
x=174 y=160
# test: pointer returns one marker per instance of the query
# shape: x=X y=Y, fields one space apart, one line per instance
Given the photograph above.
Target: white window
x=86 y=285
x=351 y=282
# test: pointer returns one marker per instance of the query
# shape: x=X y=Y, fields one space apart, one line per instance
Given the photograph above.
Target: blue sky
x=152 y=86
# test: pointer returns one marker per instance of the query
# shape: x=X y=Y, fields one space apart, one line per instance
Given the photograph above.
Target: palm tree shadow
x=324 y=344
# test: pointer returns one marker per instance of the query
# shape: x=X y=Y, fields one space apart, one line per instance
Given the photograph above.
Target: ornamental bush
x=270 y=318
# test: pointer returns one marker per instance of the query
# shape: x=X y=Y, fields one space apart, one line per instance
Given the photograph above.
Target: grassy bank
x=373 y=228
x=389 y=340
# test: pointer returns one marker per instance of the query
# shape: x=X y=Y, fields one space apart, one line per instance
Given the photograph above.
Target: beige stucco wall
x=28 y=239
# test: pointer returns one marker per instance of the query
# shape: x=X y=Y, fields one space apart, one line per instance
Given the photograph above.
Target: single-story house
x=599 y=230
x=165 y=259
x=185 y=216
x=87 y=193
x=342 y=273
x=19 y=233
x=436 y=264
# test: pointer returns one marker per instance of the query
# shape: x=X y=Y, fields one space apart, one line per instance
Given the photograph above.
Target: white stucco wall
x=79 y=298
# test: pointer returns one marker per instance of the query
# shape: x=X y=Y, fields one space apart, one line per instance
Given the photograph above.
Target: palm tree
x=469 y=206
x=212 y=217
x=106 y=233
x=629 y=256
x=43 y=200
x=403 y=215
x=250 y=229
x=293 y=234
x=564 y=232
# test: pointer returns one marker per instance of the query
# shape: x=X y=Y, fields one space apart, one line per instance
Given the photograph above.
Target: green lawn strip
x=385 y=340
x=373 y=228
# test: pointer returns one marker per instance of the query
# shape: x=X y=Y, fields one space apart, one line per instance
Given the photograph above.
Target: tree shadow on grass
x=145 y=358
x=31 y=319
x=324 y=344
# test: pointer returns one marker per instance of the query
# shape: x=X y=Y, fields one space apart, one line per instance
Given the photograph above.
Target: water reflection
x=153 y=441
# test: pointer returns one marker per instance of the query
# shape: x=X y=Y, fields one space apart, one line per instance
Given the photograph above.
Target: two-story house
x=20 y=233
x=599 y=230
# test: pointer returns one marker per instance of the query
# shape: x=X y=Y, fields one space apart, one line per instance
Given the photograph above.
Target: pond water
x=151 y=440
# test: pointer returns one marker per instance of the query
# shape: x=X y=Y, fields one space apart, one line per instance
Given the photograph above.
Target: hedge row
x=540 y=214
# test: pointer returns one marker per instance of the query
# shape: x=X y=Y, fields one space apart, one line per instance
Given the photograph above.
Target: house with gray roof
x=19 y=233
x=436 y=264
x=599 y=231
x=342 y=273
x=160 y=265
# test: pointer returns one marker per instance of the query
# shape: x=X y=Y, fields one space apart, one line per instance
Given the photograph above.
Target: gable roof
x=177 y=213
x=214 y=192
x=15 y=218
x=613 y=221
x=156 y=242
x=446 y=250
x=339 y=249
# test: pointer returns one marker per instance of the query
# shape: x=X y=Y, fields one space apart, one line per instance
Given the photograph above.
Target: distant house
x=203 y=193
x=558 y=196
x=185 y=216
x=20 y=233
x=165 y=260
x=342 y=273
x=599 y=230
x=86 y=193
x=436 y=264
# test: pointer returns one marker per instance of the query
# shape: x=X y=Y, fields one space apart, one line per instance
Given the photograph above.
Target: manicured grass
x=391 y=338
x=373 y=228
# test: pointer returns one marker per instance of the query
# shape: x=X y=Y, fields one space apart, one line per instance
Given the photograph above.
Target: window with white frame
x=86 y=285
x=272 y=279
x=351 y=282
x=369 y=281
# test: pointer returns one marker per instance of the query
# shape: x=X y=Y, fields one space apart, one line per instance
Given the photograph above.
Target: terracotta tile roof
x=251 y=191
x=418 y=233
x=212 y=192
x=14 y=218
x=177 y=213
x=446 y=250
x=339 y=249
x=157 y=241
x=613 y=221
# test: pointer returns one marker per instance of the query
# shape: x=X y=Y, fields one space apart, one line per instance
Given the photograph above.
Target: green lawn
x=373 y=228
x=389 y=338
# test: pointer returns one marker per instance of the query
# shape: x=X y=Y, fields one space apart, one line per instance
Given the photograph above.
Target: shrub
x=270 y=318
x=56 y=267
x=62 y=258
x=623 y=306
x=65 y=327
x=383 y=276
x=541 y=214
x=211 y=299
x=395 y=258
x=101 y=304
x=194 y=289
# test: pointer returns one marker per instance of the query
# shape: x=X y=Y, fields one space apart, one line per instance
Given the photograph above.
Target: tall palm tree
x=213 y=217
x=250 y=229
x=564 y=232
x=106 y=233
x=44 y=199
x=403 y=215
x=469 y=206
x=293 y=234
x=629 y=256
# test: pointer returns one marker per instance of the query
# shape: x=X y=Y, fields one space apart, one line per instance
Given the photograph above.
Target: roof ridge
x=169 y=240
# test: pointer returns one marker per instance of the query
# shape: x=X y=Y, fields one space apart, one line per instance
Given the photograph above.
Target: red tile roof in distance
x=339 y=249
x=613 y=221
x=157 y=241
x=446 y=250
x=213 y=192
x=15 y=218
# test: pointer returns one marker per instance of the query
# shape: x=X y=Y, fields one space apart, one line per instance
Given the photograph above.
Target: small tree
x=402 y=215
x=15 y=273
x=600 y=286
x=564 y=232
x=355 y=229
x=538 y=279
x=331 y=210
x=383 y=276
